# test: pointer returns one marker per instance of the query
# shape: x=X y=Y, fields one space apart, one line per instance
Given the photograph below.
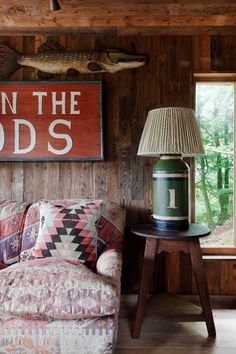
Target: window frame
x=215 y=77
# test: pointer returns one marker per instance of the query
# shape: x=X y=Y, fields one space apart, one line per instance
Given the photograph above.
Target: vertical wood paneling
x=17 y=178
x=100 y=183
x=87 y=180
x=11 y=174
x=223 y=52
x=228 y=280
x=213 y=270
x=6 y=180
x=124 y=177
x=17 y=182
x=52 y=173
x=202 y=53
x=29 y=181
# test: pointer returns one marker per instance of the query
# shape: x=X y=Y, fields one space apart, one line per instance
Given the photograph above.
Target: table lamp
x=171 y=133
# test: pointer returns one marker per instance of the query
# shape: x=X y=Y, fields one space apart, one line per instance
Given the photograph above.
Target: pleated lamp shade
x=171 y=130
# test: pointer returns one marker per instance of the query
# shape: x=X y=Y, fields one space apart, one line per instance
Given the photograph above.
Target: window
x=214 y=174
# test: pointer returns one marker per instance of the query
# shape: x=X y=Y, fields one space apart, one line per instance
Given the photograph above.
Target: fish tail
x=8 y=61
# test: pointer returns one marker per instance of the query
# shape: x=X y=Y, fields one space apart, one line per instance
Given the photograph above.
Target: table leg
x=198 y=269
x=148 y=263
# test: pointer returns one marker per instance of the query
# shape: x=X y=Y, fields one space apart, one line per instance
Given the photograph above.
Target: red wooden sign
x=50 y=121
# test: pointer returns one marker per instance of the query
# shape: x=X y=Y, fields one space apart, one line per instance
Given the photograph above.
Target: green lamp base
x=170 y=193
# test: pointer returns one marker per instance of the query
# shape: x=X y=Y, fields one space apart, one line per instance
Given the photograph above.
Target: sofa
x=60 y=269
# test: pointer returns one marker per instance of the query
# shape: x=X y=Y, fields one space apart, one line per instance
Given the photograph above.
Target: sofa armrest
x=109 y=266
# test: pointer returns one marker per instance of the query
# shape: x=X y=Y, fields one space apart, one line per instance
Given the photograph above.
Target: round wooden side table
x=170 y=241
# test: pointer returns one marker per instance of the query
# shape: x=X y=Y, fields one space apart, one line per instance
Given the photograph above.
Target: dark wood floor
x=162 y=335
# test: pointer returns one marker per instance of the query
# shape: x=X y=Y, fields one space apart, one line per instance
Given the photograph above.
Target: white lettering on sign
x=40 y=95
x=50 y=120
x=74 y=103
x=56 y=102
x=61 y=102
x=172 y=199
x=2 y=137
x=18 y=123
x=60 y=136
x=12 y=105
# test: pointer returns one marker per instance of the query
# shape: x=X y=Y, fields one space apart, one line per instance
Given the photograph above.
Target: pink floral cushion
x=68 y=231
x=55 y=288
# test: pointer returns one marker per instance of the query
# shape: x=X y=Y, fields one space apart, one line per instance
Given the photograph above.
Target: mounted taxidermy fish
x=51 y=58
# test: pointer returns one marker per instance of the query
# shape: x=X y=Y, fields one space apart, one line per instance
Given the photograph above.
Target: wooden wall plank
x=223 y=51
x=202 y=53
x=11 y=173
x=17 y=170
x=123 y=177
x=119 y=17
x=5 y=180
x=227 y=279
x=100 y=183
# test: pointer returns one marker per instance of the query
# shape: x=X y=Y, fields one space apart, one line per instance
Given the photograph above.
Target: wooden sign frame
x=51 y=121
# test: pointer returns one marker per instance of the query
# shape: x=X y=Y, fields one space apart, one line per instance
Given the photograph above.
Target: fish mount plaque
x=52 y=58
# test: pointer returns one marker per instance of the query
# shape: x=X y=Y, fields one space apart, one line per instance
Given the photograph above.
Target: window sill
x=219 y=251
x=219 y=258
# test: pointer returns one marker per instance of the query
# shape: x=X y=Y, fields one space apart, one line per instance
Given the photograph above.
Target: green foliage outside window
x=214 y=171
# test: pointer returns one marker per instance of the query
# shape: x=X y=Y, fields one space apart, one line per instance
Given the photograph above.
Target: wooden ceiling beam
x=118 y=17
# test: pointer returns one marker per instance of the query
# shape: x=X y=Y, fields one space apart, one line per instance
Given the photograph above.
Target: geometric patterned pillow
x=69 y=232
x=32 y=222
